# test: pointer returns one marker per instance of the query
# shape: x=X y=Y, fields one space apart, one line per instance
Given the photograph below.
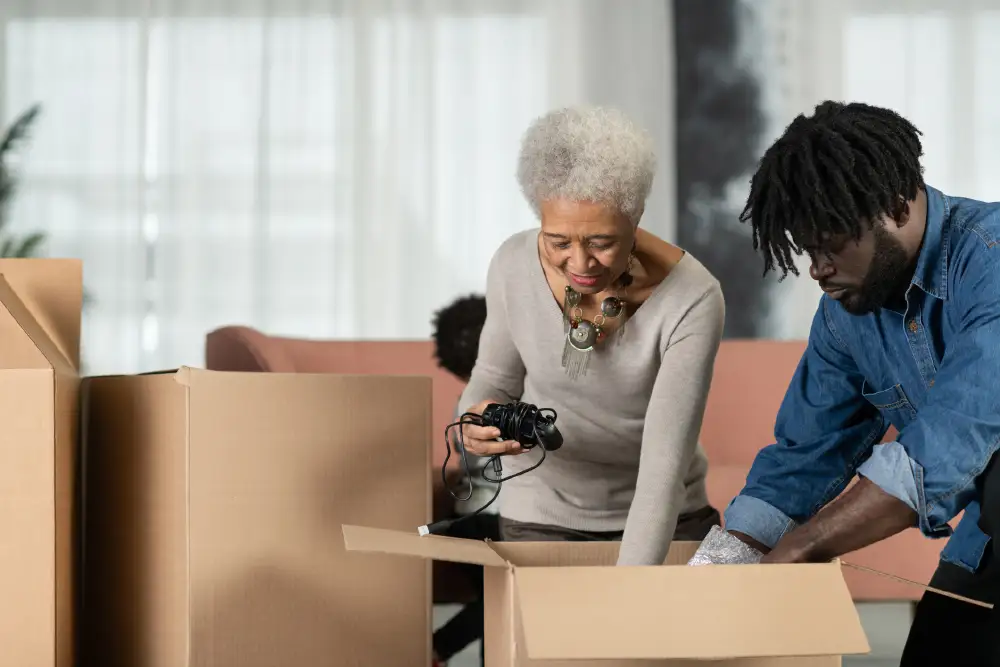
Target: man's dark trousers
x=950 y=632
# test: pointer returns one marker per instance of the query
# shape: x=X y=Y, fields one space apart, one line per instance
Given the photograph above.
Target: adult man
x=908 y=334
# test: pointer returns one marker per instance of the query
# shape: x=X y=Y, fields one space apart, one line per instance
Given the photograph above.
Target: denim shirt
x=932 y=372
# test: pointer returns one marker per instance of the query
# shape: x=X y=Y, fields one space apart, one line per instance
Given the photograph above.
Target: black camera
x=525 y=424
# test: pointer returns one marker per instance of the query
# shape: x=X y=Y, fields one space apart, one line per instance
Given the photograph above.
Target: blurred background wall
x=340 y=169
x=745 y=68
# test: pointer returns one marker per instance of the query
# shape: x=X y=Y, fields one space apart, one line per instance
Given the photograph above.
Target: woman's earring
x=626 y=278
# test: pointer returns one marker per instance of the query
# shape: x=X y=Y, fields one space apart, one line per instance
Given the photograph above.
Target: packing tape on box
x=721 y=548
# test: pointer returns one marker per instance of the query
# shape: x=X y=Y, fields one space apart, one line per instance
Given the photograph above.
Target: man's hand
x=746 y=539
x=788 y=550
x=865 y=514
x=722 y=548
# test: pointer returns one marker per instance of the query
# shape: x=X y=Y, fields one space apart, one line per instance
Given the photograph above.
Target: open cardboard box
x=566 y=603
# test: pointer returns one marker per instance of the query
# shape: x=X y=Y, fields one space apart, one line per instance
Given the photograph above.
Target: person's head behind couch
x=456 y=334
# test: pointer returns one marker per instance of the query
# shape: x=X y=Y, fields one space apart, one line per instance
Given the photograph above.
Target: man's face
x=863 y=274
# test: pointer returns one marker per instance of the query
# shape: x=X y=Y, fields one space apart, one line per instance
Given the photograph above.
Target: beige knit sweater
x=630 y=458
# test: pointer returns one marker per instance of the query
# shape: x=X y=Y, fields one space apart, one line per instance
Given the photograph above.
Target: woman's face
x=588 y=242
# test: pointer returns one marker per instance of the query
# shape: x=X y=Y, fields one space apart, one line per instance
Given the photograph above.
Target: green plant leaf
x=7 y=248
x=29 y=245
x=17 y=133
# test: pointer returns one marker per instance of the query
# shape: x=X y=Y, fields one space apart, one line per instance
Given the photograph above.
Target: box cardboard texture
x=567 y=604
x=214 y=504
x=40 y=304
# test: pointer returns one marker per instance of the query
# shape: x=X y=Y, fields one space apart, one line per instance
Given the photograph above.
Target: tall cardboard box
x=566 y=604
x=214 y=504
x=40 y=303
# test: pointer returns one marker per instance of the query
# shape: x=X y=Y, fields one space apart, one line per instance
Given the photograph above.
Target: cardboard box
x=40 y=303
x=567 y=604
x=214 y=504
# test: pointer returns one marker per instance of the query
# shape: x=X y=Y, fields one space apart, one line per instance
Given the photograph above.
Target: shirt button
x=913 y=326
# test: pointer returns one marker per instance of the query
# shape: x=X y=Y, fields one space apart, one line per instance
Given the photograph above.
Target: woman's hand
x=482 y=440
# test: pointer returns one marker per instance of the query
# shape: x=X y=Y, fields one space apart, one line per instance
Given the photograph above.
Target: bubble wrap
x=721 y=548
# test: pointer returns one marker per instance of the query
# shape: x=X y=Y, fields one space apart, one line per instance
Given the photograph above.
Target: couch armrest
x=238 y=348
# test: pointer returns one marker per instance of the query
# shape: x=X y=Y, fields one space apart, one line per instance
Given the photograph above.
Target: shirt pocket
x=892 y=403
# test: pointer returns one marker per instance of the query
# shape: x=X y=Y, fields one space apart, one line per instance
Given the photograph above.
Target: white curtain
x=312 y=168
x=934 y=61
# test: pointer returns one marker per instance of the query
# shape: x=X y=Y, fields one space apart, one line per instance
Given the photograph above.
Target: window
x=322 y=176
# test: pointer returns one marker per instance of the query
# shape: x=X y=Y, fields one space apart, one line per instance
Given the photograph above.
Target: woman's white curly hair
x=592 y=154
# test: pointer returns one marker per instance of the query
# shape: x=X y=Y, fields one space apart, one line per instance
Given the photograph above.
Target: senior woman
x=615 y=329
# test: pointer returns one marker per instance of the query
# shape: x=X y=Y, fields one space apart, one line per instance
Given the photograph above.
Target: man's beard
x=886 y=277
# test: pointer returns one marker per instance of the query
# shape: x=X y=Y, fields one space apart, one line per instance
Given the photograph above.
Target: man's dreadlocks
x=827 y=174
x=457 y=327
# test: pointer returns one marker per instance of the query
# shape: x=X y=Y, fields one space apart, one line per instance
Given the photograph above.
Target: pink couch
x=749 y=383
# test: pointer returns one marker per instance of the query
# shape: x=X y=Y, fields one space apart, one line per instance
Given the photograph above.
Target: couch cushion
x=748 y=385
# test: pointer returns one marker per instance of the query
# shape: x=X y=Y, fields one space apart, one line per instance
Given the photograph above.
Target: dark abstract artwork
x=720 y=128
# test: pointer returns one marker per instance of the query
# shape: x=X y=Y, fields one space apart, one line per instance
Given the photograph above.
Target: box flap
x=555 y=554
x=435 y=547
x=17 y=350
x=670 y=612
x=32 y=328
x=52 y=289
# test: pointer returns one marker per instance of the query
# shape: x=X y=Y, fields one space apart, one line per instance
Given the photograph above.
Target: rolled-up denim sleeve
x=823 y=431
x=893 y=471
x=760 y=520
